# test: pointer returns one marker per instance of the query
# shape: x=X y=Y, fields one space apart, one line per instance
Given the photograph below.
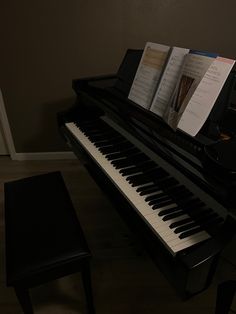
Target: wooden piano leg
x=24 y=299
x=86 y=277
x=225 y=294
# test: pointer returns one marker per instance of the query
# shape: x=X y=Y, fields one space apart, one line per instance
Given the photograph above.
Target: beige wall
x=47 y=43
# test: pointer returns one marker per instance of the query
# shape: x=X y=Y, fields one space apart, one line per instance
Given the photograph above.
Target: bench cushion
x=42 y=229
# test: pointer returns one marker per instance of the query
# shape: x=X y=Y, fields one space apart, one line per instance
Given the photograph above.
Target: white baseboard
x=43 y=156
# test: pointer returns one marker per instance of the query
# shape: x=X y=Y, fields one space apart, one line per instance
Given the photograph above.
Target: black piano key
x=190 y=232
x=143 y=173
x=154 y=196
x=159 y=181
x=209 y=220
x=152 y=173
x=146 y=166
x=150 y=164
x=213 y=225
x=104 y=143
x=93 y=122
x=186 y=222
x=108 y=149
x=138 y=177
x=182 y=195
x=174 y=215
x=159 y=174
x=94 y=129
x=109 y=142
x=138 y=158
x=84 y=122
x=118 y=147
x=129 y=157
x=169 y=181
x=129 y=161
x=186 y=227
x=150 y=168
x=164 y=201
x=184 y=198
x=126 y=153
x=120 y=164
x=89 y=124
x=91 y=132
x=168 y=211
x=115 y=156
x=124 y=145
x=175 y=187
x=147 y=178
x=180 y=222
x=159 y=200
x=160 y=204
x=191 y=204
x=166 y=183
x=110 y=138
x=145 y=190
x=130 y=151
x=101 y=137
x=199 y=212
x=204 y=216
x=99 y=141
x=128 y=171
x=139 y=182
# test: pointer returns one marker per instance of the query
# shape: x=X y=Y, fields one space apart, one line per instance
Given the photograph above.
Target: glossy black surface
x=193 y=156
x=42 y=229
x=190 y=271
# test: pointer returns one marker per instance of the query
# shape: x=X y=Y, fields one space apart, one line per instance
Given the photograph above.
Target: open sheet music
x=205 y=95
x=148 y=74
x=179 y=85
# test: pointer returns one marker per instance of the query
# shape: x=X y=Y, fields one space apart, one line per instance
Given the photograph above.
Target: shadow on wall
x=46 y=137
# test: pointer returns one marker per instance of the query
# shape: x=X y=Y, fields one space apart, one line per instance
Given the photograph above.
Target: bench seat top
x=42 y=229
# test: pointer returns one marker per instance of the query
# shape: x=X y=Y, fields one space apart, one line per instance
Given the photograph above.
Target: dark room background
x=45 y=44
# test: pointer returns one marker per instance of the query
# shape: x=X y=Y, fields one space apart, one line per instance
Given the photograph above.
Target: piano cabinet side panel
x=201 y=277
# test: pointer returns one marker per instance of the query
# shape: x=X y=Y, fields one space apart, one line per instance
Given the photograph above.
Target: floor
x=125 y=280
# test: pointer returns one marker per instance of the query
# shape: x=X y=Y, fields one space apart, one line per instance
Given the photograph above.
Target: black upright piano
x=177 y=192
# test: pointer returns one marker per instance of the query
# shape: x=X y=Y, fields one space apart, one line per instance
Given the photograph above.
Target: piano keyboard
x=177 y=217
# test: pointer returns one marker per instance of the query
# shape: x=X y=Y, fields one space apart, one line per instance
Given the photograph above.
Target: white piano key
x=189 y=241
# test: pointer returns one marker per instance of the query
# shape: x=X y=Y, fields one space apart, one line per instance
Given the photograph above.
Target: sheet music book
x=168 y=80
x=179 y=85
x=205 y=95
x=148 y=74
x=195 y=65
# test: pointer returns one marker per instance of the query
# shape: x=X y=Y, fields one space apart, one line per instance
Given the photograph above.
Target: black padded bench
x=44 y=240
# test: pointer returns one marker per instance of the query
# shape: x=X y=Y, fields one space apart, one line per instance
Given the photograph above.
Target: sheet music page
x=204 y=97
x=196 y=63
x=148 y=74
x=168 y=80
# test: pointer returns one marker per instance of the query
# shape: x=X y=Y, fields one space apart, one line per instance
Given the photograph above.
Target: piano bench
x=44 y=240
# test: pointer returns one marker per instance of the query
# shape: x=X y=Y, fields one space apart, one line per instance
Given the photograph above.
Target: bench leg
x=24 y=300
x=225 y=295
x=86 y=277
